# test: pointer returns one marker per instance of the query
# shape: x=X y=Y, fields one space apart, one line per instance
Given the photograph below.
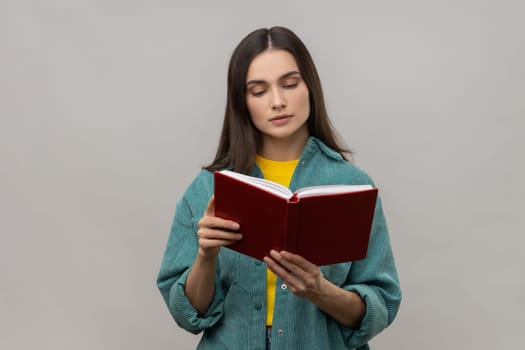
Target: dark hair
x=240 y=140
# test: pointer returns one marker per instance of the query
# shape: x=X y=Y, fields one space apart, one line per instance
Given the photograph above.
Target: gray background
x=108 y=109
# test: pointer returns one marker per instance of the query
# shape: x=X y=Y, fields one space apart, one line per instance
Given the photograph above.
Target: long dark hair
x=240 y=140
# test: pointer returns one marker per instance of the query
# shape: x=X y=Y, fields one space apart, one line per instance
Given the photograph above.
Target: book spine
x=293 y=225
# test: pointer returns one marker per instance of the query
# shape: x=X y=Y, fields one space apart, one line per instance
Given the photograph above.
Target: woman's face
x=277 y=97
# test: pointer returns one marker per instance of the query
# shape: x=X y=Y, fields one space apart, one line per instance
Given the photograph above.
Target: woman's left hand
x=306 y=280
x=303 y=278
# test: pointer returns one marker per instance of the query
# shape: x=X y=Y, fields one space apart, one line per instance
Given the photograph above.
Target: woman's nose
x=278 y=100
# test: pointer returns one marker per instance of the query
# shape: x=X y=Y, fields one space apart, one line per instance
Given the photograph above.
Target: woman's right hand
x=215 y=232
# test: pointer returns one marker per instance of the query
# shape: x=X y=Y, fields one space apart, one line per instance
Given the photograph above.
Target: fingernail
x=236 y=226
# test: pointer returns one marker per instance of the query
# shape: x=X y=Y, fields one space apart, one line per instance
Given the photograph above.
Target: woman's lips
x=280 y=119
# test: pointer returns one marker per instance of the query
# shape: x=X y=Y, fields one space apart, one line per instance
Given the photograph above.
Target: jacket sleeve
x=376 y=280
x=178 y=258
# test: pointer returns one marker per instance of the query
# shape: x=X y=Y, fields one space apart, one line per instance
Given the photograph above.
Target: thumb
x=210 y=210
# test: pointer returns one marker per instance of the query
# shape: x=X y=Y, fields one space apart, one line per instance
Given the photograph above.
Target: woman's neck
x=289 y=148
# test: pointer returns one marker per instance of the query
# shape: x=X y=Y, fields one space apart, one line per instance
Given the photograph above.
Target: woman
x=275 y=126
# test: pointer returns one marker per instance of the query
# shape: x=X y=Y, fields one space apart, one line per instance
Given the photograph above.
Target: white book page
x=330 y=189
x=268 y=186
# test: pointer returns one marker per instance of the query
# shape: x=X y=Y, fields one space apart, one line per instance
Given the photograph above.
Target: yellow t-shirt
x=280 y=172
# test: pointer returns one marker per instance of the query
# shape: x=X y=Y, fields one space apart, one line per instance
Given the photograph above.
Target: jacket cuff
x=374 y=321
x=186 y=315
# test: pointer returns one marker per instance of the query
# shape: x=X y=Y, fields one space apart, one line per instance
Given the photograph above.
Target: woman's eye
x=290 y=85
x=258 y=93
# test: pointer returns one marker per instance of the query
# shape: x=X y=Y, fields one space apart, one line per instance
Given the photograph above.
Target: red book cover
x=326 y=228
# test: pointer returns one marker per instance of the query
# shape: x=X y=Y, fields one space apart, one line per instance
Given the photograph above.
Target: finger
x=210 y=239
x=299 y=261
x=278 y=269
x=214 y=243
x=291 y=268
x=291 y=278
x=211 y=233
x=216 y=222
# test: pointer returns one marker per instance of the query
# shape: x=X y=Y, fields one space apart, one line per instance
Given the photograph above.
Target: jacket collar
x=314 y=144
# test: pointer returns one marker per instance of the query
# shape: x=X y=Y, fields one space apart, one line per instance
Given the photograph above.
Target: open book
x=324 y=224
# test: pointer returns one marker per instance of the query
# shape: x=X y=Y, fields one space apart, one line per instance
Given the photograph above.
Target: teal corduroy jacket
x=236 y=318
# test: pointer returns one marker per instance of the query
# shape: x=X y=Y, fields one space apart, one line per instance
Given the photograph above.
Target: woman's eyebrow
x=252 y=82
x=284 y=76
x=289 y=74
